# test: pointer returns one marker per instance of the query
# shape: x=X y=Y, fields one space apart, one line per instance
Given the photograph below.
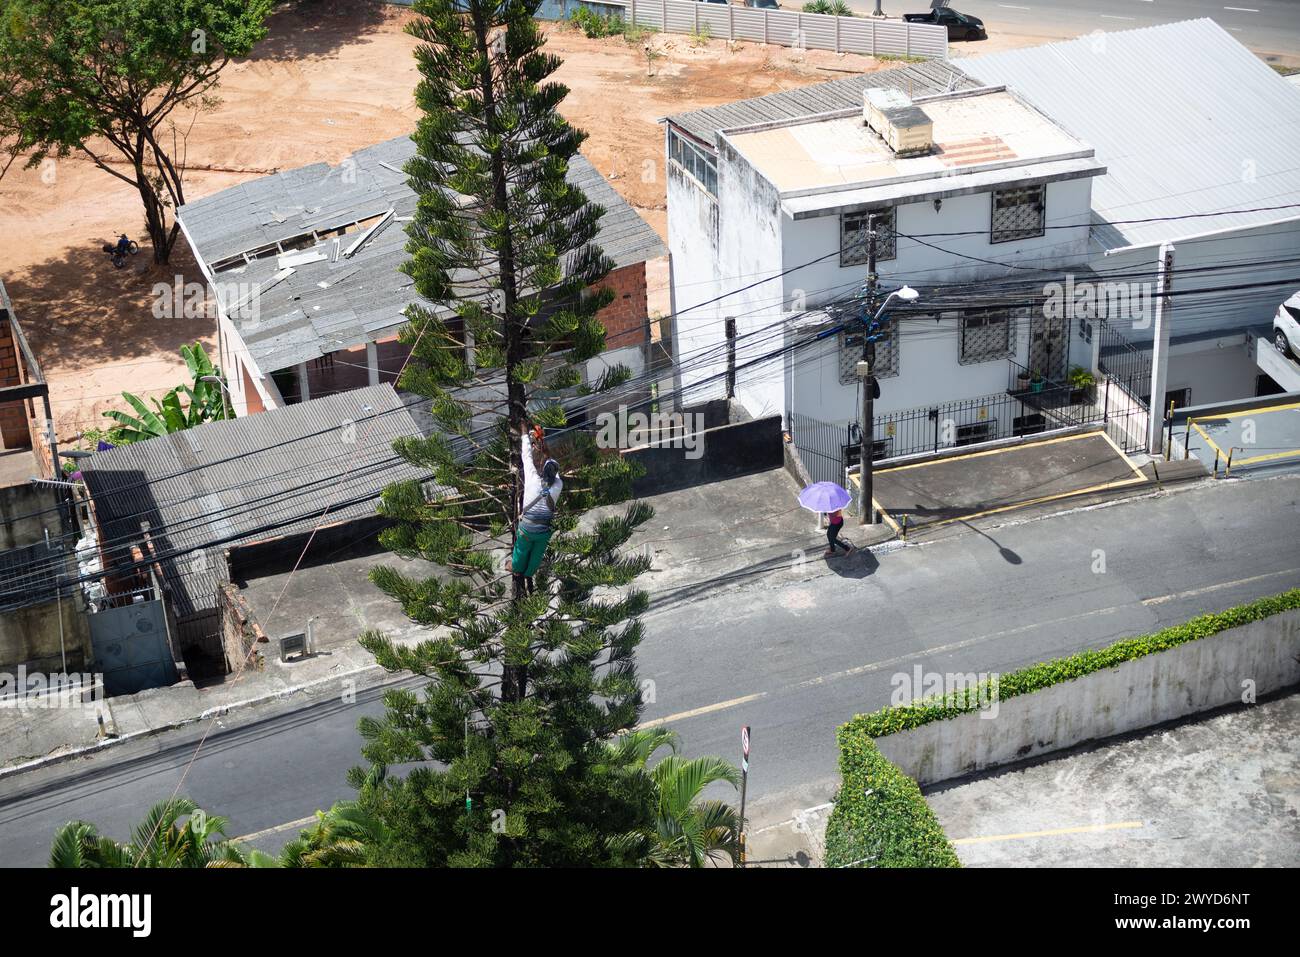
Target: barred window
x=697 y=162
x=853 y=237
x=986 y=335
x=851 y=354
x=1018 y=213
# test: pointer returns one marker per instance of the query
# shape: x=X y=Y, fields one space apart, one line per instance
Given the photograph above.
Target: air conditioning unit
x=905 y=127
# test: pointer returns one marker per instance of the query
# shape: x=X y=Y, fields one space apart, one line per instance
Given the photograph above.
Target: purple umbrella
x=824 y=497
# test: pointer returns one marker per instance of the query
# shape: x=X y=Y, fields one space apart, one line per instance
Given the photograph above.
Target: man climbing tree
x=526 y=684
x=103 y=79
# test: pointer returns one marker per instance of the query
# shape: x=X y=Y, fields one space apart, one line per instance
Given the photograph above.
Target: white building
x=787 y=201
x=1189 y=123
x=1041 y=161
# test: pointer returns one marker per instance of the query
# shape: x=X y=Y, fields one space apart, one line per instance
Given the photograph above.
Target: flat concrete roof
x=979 y=130
x=1214 y=791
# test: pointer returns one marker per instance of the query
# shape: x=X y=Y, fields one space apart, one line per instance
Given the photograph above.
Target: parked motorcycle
x=118 y=253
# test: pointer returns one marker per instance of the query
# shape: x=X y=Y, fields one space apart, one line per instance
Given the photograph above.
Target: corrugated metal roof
x=224 y=483
x=916 y=79
x=325 y=306
x=1186 y=119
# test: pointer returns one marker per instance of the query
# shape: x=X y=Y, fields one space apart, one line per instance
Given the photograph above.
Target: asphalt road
x=793 y=654
x=1264 y=26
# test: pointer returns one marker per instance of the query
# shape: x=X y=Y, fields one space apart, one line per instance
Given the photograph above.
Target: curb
x=206 y=715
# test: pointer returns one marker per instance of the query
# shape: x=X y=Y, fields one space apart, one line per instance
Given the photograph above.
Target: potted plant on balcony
x=1036 y=381
x=1083 y=385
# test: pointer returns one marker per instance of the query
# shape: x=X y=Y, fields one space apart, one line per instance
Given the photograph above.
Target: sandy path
x=317 y=89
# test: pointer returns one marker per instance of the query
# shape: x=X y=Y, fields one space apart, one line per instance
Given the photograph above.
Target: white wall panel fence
x=812 y=31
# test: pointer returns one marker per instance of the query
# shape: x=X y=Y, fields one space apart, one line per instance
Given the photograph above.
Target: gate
x=130 y=643
x=823 y=447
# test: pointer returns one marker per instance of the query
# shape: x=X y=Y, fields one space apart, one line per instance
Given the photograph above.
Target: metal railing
x=1127 y=365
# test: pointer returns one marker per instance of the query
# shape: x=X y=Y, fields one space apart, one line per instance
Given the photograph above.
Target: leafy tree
x=525 y=686
x=686 y=832
x=205 y=403
x=100 y=77
x=160 y=840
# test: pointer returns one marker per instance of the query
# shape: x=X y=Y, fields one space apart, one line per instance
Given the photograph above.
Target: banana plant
x=203 y=403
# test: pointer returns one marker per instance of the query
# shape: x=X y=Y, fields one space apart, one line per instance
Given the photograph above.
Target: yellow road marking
x=998 y=451
x=1260 y=410
x=887 y=517
x=1120 y=452
x=303 y=822
x=1082 y=829
x=1267 y=458
x=1209 y=441
x=1120 y=483
x=707 y=709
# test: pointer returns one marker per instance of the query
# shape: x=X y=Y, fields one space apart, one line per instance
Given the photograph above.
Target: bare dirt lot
x=330 y=79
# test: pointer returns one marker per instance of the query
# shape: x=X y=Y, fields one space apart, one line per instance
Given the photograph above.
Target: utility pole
x=866 y=512
x=1160 y=349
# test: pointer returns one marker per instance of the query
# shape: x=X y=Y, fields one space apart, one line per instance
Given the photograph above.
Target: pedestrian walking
x=835 y=523
x=829 y=499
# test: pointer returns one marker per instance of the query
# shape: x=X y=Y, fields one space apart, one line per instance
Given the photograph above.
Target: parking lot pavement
x=1221 y=791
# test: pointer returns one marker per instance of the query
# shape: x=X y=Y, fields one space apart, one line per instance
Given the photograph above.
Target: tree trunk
x=514 y=678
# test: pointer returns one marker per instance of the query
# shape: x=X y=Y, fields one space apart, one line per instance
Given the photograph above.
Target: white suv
x=1286 y=327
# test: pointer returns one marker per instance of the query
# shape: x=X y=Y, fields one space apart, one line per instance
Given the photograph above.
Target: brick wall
x=624 y=319
x=14 y=433
x=239 y=630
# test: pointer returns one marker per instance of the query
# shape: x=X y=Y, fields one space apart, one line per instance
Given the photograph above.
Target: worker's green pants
x=529 y=549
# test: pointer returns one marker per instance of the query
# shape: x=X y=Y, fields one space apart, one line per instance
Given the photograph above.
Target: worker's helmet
x=550 y=470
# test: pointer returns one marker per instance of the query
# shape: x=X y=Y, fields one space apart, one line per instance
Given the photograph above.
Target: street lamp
x=225 y=405
x=866 y=512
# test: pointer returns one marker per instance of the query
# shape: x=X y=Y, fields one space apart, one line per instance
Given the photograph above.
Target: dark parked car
x=763 y=4
x=961 y=26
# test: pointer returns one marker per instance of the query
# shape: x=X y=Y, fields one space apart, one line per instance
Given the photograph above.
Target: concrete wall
x=28 y=511
x=1197 y=676
x=728 y=451
x=32 y=636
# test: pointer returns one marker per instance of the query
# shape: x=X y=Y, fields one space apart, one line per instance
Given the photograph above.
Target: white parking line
x=1242 y=9
x=1009 y=6
x=1107 y=16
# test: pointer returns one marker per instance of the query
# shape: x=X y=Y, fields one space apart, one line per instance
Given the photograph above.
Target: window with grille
x=1018 y=213
x=886 y=354
x=985 y=336
x=853 y=237
x=697 y=162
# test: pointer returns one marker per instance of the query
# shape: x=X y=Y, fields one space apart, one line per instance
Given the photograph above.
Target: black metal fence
x=1128 y=365
x=828 y=449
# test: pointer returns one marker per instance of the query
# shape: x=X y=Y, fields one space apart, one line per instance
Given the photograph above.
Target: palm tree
x=160 y=840
x=686 y=832
x=340 y=838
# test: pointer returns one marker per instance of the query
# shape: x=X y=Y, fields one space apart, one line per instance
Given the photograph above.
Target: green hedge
x=880 y=818
x=1044 y=675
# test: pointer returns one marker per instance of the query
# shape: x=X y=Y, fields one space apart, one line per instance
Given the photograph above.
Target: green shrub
x=1047 y=673
x=880 y=818
x=834 y=8
x=595 y=25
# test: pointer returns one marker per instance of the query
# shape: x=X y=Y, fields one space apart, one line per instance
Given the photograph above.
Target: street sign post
x=744 y=780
